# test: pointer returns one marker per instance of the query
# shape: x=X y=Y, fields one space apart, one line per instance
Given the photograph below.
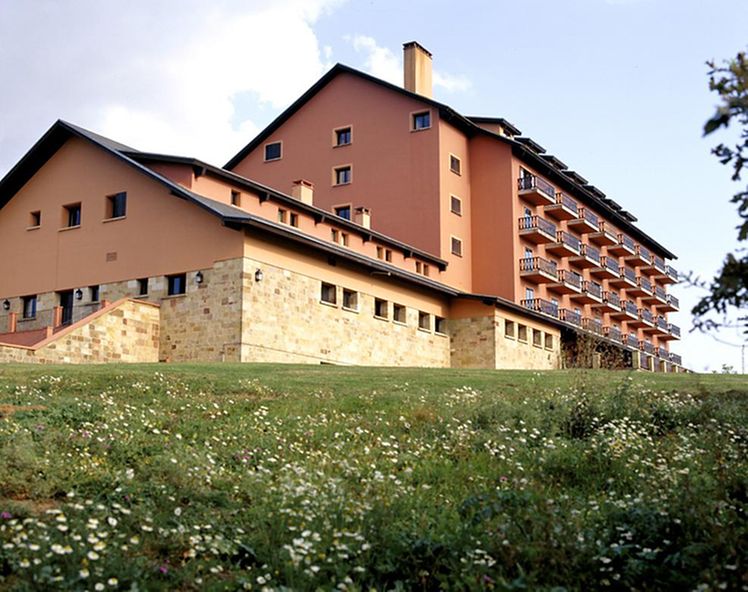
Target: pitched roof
x=524 y=148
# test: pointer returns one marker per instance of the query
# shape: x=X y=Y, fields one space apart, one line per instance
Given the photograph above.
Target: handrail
x=536 y=222
x=528 y=182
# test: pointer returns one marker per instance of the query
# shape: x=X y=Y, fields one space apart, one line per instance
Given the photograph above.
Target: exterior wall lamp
x=259 y=275
x=199 y=278
x=79 y=294
x=6 y=304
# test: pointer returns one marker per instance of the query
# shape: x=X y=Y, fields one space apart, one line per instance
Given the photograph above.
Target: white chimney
x=417 y=69
x=362 y=217
x=303 y=190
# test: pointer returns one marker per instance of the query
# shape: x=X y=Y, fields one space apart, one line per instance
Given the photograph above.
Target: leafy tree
x=729 y=288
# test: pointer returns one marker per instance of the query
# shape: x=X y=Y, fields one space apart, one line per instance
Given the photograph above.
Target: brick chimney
x=303 y=190
x=362 y=217
x=417 y=69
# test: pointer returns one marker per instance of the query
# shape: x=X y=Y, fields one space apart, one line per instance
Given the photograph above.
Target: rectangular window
x=381 y=308
x=29 y=307
x=380 y=252
x=235 y=198
x=282 y=216
x=334 y=235
x=342 y=175
x=293 y=220
x=455 y=165
x=440 y=325
x=455 y=205
x=350 y=299
x=398 y=313
x=509 y=329
x=537 y=338
x=343 y=136
x=93 y=292
x=426 y=270
x=272 y=151
x=424 y=321
x=418 y=267
x=421 y=120
x=529 y=293
x=343 y=212
x=35 y=219
x=548 y=341
x=329 y=294
x=143 y=287
x=344 y=239
x=73 y=215
x=388 y=255
x=522 y=333
x=177 y=284
x=116 y=205
x=456 y=246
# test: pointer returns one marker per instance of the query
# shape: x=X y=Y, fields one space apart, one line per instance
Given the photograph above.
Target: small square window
x=282 y=216
x=455 y=165
x=424 y=321
x=177 y=284
x=35 y=219
x=456 y=246
x=455 y=205
x=272 y=151
x=72 y=215
x=548 y=341
x=236 y=198
x=350 y=299
x=343 y=136
x=293 y=219
x=329 y=294
x=509 y=329
x=142 y=286
x=440 y=325
x=381 y=308
x=421 y=120
x=29 y=307
x=116 y=205
x=537 y=338
x=342 y=175
x=93 y=292
x=398 y=313
x=522 y=333
x=343 y=212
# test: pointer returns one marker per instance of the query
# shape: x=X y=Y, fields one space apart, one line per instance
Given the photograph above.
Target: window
x=380 y=252
x=522 y=333
x=282 y=216
x=235 y=198
x=421 y=120
x=388 y=255
x=456 y=246
x=455 y=205
x=455 y=165
x=439 y=325
x=424 y=321
x=528 y=253
x=398 y=313
x=72 y=215
x=342 y=175
x=142 y=286
x=537 y=338
x=177 y=284
x=380 y=308
x=93 y=292
x=335 y=235
x=344 y=239
x=509 y=329
x=272 y=151
x=529 y=294
x=35 y=219
x=116 y=205
x=426 y=270
x=419 y=265
x=343 y=136
x=293 y=219
x=329 y=294
x=29 y=307
x=343 y=212
x=350 y=299
x=548 y=341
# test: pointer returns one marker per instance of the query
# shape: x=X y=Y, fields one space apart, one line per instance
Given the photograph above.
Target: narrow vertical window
x=116 y=205
x=72 y=215
x=455 y=205
x=424 y=321
x=235 y=198
x=177 y=284
x=142 y=286
x=93 y=292
x=35 y=219
x=455 y=165
x=29 y=307
x=456 y=246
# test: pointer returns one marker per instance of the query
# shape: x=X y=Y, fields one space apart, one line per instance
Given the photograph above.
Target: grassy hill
x=226 y=477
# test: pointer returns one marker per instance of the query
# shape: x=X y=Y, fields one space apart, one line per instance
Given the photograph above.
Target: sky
x=617 y=89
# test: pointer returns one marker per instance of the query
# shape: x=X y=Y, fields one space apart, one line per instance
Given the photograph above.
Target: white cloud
x=152 y=75
x=383 y=63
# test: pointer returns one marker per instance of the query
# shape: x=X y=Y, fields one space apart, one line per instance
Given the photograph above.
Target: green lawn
x=226 y=477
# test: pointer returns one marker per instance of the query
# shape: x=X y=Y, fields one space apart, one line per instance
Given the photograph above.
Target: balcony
x=586 y=221
x=540 y=305
x=610 y=302
x=661 y=323
x=643 y=287
x=631 y=341
x=592 y=325
x=608 y=268
x=537 y=230
x=629 y=312
x=613 y=333
x=589 y=256
x=672 y=304
x=591 y=293
x=605 y=236
x=566 y=245
x=674 y=331
x=626 y=278
x=646 y=316
x=569 y=282
x=565 y=208
x=663 y=354
x=660 y=295
x=625 y=246
x=571 y=317
x=537 y=269
x=645 y=361
x=676 y=359
x=536 y=190
x=642 y=257
x=646 y=346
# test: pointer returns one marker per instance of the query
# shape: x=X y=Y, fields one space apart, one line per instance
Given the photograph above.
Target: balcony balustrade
x=537 y=269
x=592 y=325
x=566 y=245
x=536 y=190
x=662 y=324
x=537 y=230
x=643 y=287
x=663 y=353
x=631 y=341
x=570 y=316
x=669 y=276
x=589 y=256
x=676 y=359
x=625 y=246
x=608 y=268
x=569 y=282
x=586 y=221
x=541 y=305
x=613 y=333
x=672 y=304
x=605 y=236
x=610 y=302
x=646 y=346
x=565 y=208
x=660 y=294
x=646 y=315
x=592 y=292
x=626 y=278
x=642 y=257
x=630 y=308
x=674 y=330
x=659 y=264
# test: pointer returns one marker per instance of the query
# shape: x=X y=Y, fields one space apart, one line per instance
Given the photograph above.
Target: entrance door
x=66 y=302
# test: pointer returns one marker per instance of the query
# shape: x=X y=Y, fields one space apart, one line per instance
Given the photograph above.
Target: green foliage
x=301 y=478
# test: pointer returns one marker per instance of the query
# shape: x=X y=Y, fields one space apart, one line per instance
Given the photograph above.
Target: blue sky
x=617 y=89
